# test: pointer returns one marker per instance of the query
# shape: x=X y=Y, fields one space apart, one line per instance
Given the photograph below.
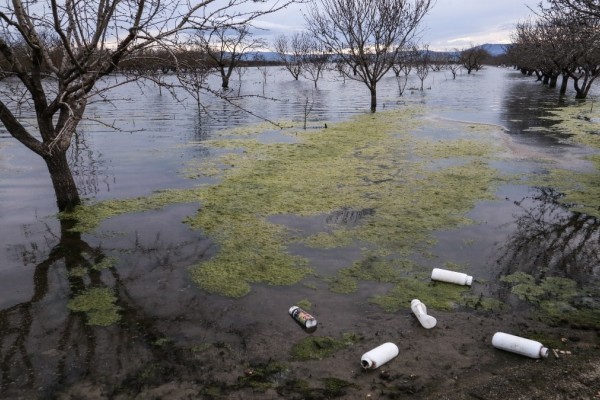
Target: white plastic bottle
x=379 y=355
x=519 y=345
x=445 y=275
x=420 y=311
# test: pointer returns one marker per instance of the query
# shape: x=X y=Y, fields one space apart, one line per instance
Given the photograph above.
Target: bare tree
x=194 y=69
x=367 y=35
x=308 y=106
x=452 y=63
x=423 y=64
x=58 y=52
x=315 y=60
x=402 y=67
x=225 y=46
x=563 y=40
x=586 y=7
x=291 y=52
x=472 y=58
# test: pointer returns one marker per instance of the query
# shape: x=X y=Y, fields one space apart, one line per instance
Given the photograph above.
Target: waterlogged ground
x=184 y=292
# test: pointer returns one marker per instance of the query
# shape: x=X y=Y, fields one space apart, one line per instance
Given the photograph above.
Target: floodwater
x=176 y=341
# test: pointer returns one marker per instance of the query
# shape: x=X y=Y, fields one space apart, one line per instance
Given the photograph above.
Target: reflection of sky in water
x=153 y=143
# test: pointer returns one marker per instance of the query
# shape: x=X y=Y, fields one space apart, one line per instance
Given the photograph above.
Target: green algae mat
x=377 y=182
x=404 y=187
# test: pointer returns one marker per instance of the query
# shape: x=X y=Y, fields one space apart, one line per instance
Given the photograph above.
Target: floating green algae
x=319 y=347
x=89 y=216
x=304 y=304
x=581 y=122
x=373 y=162
x=263 y=376
x=81 y=270
x=98 y=304
x=559 y=300
x=362 y=164
x=436 y=295
x=105 y=263
x=526 y=288
x=335 y=387
x=372 y=269
x=581 y=190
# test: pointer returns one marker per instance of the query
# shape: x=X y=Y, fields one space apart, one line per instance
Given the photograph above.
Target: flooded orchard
x=200 y=230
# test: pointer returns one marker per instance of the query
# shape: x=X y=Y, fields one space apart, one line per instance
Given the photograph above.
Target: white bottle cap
x=366 y=363
x=544 y=352
x=469 y=280
x=311 y=323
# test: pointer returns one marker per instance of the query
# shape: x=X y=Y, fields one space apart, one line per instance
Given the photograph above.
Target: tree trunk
x=373 y=90
x=564 y=83
x=553 y=80
x=225 y=84
x=67 y=196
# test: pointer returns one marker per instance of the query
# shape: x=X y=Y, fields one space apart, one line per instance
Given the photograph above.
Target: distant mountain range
x=494 y=49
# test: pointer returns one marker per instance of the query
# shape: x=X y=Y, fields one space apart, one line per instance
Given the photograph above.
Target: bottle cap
x=544 y=352
x=469 y=280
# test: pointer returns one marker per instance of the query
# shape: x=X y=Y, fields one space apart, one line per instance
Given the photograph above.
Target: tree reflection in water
x=552 y=241
x=19 y=322
x=45 y=347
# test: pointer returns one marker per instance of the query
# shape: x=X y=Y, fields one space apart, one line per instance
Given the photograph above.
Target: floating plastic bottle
x=379 y=355
x=420 y=311
x=445 y=275
x=307 y=321
x=519 y=345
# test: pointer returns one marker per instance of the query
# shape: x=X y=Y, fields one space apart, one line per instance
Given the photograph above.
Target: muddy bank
x=262 y=360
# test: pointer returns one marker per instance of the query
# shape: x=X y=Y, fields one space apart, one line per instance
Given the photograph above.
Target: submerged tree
x=402 y=66
x=367 y=35
x=226 y=46
x=59 y=51
x=423 y=64
x=315 y=60
x=563 y=40
x=291 y=52
x=472 y=58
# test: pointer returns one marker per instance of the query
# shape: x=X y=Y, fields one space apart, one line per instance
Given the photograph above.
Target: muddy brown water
x=175 y=341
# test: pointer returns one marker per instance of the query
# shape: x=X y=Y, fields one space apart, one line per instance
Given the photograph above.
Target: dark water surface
x=45 y=349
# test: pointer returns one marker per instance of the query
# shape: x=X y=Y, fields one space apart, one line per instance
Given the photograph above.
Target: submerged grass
x=369 y=163
x=319 y=347
x=559 y=300
x=582 y=192
x=99 y=304
x=373 y=162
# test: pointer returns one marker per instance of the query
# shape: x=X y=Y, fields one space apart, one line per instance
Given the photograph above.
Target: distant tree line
x=562 y=42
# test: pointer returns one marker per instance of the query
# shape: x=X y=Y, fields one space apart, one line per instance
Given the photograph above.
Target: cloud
x=450 y=24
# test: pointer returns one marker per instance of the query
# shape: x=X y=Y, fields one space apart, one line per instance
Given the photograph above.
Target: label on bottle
x=303 y=318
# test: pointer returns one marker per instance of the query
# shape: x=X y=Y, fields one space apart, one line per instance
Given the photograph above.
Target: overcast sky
x=450 y=24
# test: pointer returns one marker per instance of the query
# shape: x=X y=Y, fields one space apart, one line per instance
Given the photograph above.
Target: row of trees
x=57 y=53
x=562 y=41
x=302 y=55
